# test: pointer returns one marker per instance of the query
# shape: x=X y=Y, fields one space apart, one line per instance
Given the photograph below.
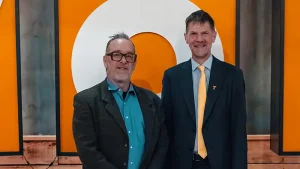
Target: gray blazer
x=100 y=134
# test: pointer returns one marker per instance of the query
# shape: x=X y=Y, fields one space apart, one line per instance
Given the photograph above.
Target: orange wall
x=70 y=21
x=9 y=128
x=291 y=124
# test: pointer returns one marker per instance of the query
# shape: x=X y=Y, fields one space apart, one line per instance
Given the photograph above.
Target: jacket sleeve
x=238 y=125
x=85 y=137
x=166 y=106
x=161 y=148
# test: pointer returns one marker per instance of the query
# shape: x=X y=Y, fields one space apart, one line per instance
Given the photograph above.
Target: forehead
x=199 y=27
x=122 y=45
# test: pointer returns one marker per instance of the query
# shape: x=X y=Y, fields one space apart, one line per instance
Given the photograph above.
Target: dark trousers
x=200 y=163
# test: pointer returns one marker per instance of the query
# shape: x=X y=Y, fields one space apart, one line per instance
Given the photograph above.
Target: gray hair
x=121 y=35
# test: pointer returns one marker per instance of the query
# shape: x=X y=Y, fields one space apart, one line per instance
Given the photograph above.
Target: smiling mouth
x=200 y=46
x=121 y=68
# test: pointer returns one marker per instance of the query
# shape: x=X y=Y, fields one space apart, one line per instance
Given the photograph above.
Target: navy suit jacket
x=224 y=126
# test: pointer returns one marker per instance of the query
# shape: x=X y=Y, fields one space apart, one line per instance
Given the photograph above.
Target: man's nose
x=199 y=38
x=123 y=60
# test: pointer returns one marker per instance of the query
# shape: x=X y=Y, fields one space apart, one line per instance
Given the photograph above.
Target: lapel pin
x=214 y=87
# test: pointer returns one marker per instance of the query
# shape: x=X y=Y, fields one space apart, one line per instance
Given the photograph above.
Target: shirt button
x=130 y=146
x=126 y=117
x=131 y=163
x=129 y=131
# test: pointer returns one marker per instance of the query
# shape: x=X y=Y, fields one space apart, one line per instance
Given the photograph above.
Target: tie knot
x=201 y=67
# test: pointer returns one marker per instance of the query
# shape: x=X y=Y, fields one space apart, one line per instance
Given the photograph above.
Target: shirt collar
x=113 y=87
x=207 y=64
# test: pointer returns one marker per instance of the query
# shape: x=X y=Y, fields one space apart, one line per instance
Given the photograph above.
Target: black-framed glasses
x=117 y=56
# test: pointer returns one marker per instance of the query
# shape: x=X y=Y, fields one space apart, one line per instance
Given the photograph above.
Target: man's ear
x=134 y=64
x=214 y=36
x=185 y=37
x=105 y=61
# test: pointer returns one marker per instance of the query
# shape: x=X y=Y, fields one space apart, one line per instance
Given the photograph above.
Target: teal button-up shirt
x=132 y=114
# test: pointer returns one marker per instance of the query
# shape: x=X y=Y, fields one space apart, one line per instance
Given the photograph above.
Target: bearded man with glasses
x=116 y=124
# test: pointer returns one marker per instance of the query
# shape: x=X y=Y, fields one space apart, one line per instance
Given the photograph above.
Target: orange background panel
x=291 y=108
x=156 y=46
x=72 y=14
x=9 y=128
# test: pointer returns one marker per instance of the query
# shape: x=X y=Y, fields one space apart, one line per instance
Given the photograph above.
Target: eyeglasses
x=116 y=56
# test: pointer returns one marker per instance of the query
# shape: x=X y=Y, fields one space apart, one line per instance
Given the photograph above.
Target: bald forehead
x=121 y=44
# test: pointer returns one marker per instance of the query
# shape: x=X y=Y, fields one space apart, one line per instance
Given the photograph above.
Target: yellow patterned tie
x=201 y=105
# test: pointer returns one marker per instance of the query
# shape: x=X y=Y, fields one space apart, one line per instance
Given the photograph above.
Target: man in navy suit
x=204 y=103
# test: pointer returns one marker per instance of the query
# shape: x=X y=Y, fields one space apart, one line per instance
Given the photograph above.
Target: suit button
x=204 y=129
x=125 y=145
x=194 y=130
x=125 y=163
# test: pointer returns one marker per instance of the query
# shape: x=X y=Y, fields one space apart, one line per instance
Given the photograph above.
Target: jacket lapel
x=148 y=111
x=215 y=85
x=186 y=85
x=112 y=106
x=217 y=75
x=147 y=108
